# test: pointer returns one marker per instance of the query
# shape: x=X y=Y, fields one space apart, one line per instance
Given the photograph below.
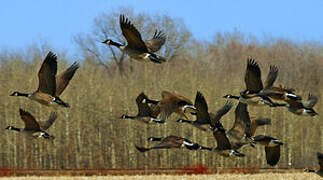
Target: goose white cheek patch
x=188 y=143
x=146 y=56
x=189 y=108
x=156 y=120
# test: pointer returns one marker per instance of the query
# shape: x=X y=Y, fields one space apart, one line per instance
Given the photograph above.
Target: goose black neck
x=129 y=117
x=15 y=129
x=16 y=93
x=206 y=148
x=279 y=105
x=184 y=121
x=115 y=44
x=310 y=170
x=234 y=97
x=155 y=139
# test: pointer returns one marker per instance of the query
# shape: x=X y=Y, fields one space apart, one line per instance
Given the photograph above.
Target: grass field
x=271 y=176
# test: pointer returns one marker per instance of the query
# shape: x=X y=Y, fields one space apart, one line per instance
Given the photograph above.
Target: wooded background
x=90 y=133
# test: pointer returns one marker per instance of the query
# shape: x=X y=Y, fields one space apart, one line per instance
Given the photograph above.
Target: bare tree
x=106 y=25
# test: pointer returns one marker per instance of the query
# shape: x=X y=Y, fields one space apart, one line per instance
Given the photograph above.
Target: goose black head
x=227 y=96
x=47 y=136
x=14 y=93
x=150 y=139
x=8 y=127
x=108 y=41
x=180 y=120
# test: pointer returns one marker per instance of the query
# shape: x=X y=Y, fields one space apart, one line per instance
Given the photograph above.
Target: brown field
x=271 y=176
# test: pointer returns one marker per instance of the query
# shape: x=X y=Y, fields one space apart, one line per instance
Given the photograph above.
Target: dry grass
x=272 y=176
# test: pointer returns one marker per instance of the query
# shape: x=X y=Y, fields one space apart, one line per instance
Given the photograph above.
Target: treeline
x=91 y=135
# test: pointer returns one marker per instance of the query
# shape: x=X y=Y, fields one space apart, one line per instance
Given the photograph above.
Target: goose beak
x=13 y=94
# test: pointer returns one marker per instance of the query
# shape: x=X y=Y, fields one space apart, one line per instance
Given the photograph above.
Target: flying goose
x=173 y=103
x=224 y=146
x=254 y=83
x=280 y=93
x=240 y=132
x=51 y=87
x=202 y=114
x=136 y=47
x=272 y=148
x=252 y=95
x=32 y=127
x=146 y=113
x=173 y=142
x=304 y=109
x=320 y=171
x=243 y=128
x=235 y=138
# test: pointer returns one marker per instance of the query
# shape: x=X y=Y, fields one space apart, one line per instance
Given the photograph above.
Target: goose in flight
x=32 y=127
x=136 y=48
x=51 y=87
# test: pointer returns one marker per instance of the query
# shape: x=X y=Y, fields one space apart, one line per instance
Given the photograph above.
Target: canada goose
x=32 y=127
x=272 y=148
x=224 y=146
x=280 y=93
x=243 y=128
x=146 y=113
x=304 y=109
x=51 y=87
x=202 y=114
x=240 y=132
x=136 y=47
x=173 y=142
x=254 y=83
x=236 y=136
x=320 y=171
x=172 y=102
x=254 y=86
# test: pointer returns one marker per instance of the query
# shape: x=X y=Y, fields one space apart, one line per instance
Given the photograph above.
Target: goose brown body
x=173 y=142
x=224 y=146
x=203 y=117
x=147 y=113
x=32 y=127
x=136 y=48
x=272 y=148
x=303 y=108
x=50 y=87
x=257 y=94
x=174 y=103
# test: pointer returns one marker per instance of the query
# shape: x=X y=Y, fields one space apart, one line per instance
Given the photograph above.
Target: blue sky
x=26 y=22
